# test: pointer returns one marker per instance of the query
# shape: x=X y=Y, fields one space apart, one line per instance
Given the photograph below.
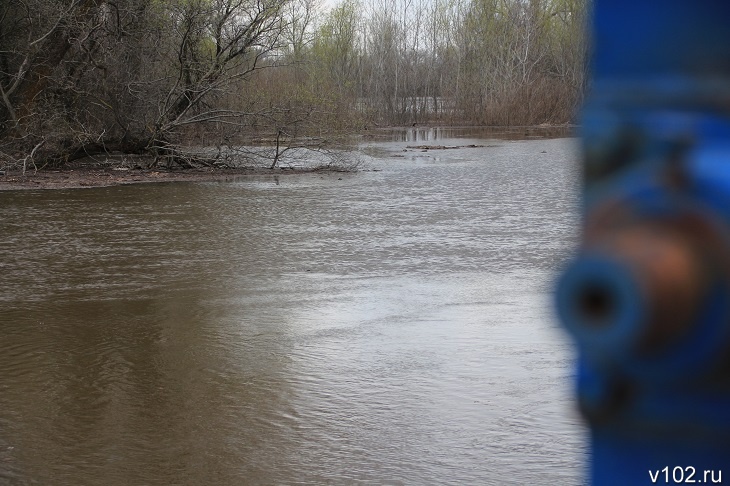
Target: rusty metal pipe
x=634 y=289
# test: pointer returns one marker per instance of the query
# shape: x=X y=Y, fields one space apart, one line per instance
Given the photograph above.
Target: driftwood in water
x=443 y=147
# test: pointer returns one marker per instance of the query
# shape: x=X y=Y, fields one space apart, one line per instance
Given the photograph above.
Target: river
x=389 y=326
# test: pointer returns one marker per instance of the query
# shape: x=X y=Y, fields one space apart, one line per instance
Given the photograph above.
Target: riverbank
x=121 y=170
x=81 y=177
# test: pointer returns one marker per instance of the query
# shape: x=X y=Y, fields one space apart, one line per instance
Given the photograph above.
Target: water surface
x=391 y=326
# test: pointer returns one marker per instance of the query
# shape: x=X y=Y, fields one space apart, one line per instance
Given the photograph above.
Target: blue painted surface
x=656 y=139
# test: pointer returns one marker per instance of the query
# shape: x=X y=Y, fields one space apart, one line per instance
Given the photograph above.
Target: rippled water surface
x=391 y=326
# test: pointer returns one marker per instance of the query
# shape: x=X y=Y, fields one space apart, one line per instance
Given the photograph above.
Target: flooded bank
x=387 y=326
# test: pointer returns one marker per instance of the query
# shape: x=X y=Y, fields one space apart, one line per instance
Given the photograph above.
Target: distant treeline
x=85 y=77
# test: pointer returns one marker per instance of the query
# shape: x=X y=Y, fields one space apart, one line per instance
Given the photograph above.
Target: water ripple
x=385 y=327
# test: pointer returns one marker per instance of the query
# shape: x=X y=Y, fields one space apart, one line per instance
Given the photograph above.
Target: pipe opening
x=596 y=305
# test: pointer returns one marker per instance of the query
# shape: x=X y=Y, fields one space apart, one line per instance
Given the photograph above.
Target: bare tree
x=128 y=75
x=86 y=77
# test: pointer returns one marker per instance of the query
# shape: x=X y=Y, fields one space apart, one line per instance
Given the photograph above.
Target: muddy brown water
x=391 y=326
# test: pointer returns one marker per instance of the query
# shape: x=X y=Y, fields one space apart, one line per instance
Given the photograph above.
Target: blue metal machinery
x=648 y=297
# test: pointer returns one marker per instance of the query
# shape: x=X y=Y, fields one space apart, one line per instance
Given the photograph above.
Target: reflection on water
x=428 y=134
x=390 y=326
